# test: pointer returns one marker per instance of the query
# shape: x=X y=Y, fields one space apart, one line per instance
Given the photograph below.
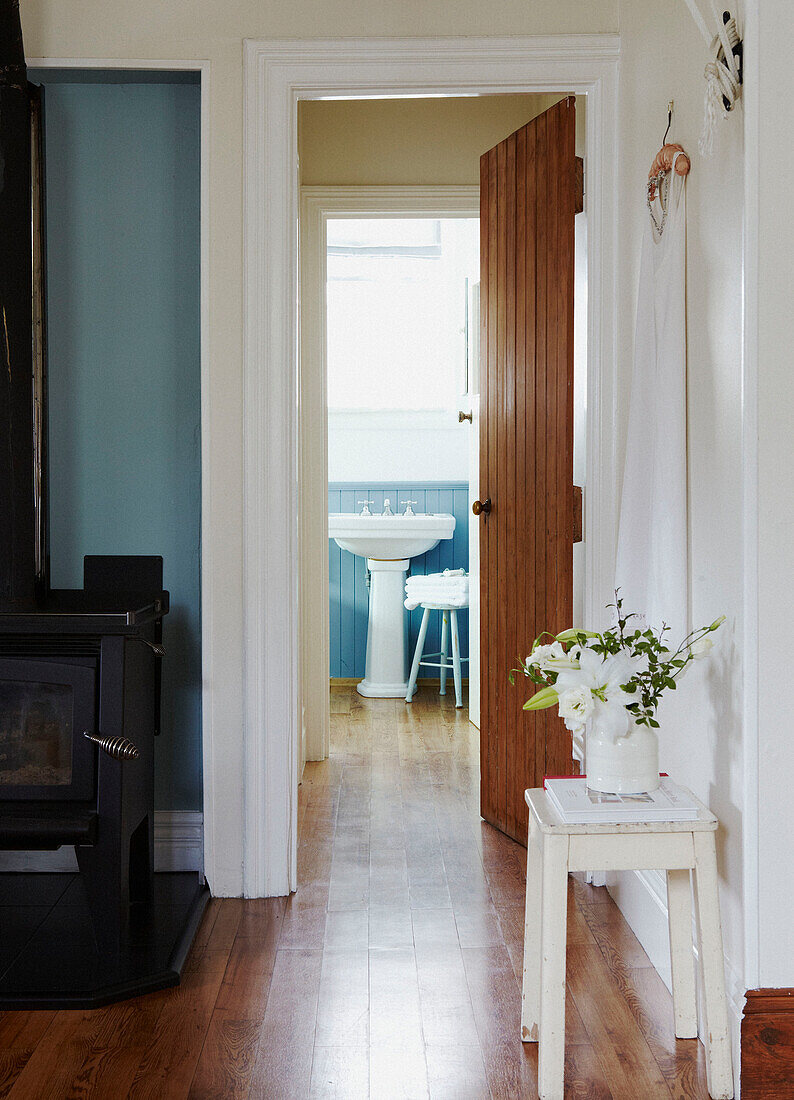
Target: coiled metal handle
x=120 y=748
x=155 y=647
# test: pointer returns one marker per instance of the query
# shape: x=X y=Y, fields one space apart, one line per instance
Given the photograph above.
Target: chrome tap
x=387 y=508
x=408 y=507
x=365 y=510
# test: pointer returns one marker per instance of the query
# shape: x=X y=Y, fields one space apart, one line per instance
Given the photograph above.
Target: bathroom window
x=399 y=294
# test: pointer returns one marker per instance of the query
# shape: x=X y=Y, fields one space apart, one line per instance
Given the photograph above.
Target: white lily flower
x=604 y=675
x=542 y=654
x=576 y=705
x=560 y=664
x=604 y=678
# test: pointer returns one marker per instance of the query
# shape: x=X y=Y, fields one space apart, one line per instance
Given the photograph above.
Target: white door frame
x=317 y=204
x=277 y=74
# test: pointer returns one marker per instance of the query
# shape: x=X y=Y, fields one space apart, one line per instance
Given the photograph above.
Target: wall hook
x=670 y=109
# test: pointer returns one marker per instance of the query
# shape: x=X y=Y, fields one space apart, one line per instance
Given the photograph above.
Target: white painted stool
x=449 y=615
x=554 y=848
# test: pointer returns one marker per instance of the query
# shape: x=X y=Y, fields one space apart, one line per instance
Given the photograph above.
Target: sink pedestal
x=388 y=542
x=385 y=673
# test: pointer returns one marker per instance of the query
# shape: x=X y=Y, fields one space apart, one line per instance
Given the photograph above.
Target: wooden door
x=528 y=199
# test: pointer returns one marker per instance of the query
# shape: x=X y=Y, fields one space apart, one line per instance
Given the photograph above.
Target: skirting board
x=642 y=898
x=178 y=846
x=768 y=1045
x=339 y=683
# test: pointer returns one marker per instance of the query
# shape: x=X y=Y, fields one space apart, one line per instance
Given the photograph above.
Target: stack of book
x=576 y=804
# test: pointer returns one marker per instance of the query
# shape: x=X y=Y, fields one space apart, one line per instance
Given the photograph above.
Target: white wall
x=392 y=142
x=397 y=446
x=701 y=736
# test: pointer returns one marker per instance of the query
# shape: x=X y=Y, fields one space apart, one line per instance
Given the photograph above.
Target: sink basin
x=387 y=538
x=387 y=542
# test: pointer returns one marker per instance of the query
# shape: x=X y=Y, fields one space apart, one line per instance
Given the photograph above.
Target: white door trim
x=316 y=205
x=751 y=769
x=276 y=75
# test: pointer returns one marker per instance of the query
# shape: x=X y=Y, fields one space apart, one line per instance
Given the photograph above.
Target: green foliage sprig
x=655 y=665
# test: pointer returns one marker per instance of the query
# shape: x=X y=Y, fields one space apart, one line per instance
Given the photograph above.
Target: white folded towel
x=448 y=600
x=434 y=578
x=425 y=589
x=458 y=579
x=450 y=587
x=423 y=583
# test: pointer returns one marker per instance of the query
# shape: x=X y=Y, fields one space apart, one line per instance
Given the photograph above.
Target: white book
x=578 y=805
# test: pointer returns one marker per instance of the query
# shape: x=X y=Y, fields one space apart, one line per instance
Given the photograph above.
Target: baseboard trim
x=340 y=683
x=178 y=846
x=642 y=898
x=768 y=1045
x=178 y=840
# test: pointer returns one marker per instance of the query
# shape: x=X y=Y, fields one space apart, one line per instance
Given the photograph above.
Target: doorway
x=390 y=438
x=354 y=70
x=390 y=353
x=398 y=323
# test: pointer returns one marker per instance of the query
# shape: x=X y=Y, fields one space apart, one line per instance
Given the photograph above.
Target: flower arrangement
x=614 y=678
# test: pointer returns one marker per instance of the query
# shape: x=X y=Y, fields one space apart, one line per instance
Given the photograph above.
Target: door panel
x=474 y=567
x=527 y=206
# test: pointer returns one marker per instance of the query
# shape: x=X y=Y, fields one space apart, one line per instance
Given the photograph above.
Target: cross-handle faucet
x=365 y=510
x=387 y=508
x=408 y=509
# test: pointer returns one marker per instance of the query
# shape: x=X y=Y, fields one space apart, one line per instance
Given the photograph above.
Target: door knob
x=481 y=507
x=464 y=416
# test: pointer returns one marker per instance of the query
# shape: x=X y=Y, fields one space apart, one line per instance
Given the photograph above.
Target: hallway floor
x=394 y=971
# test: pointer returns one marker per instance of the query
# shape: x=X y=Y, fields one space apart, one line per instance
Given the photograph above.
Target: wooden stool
x=449 y=614
x=554 y=848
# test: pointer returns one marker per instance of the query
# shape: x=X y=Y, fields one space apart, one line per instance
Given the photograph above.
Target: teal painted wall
x=123 y=220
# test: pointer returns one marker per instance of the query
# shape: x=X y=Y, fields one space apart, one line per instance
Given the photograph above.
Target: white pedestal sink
x=388 y=543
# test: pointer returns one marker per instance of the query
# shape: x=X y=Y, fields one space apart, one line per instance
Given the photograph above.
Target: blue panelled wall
x=348 y=587
x=123 y=228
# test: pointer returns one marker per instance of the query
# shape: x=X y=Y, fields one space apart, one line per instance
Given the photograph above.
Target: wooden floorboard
x=395 y=969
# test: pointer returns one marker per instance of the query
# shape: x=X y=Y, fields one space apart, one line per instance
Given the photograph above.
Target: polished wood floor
x=392 y=972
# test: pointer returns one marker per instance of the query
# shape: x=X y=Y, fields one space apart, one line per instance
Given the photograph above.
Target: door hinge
x=578 y=517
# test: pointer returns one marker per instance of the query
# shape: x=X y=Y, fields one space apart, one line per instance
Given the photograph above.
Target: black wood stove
x=79 y=671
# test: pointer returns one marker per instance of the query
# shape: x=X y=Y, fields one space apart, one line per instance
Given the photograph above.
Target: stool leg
x=442 y=672
x=530 y=993
x=719 y=1070
x=420 y=645
x=456 y=660
x=553 y=939
x=682 y=962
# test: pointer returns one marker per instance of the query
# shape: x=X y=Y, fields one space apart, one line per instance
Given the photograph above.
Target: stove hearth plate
x=49 y=957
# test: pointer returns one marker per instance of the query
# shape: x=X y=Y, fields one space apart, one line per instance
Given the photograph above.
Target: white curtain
x=652 y=544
